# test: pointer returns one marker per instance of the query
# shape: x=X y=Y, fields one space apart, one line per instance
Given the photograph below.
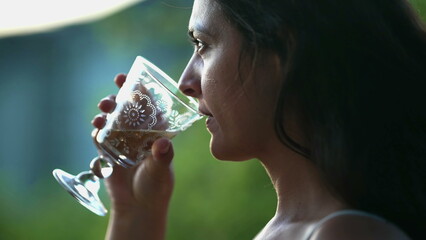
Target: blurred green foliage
x=212 y=199
x=420 y=7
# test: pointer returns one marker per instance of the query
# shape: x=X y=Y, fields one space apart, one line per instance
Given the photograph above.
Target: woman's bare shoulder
x=356 y=227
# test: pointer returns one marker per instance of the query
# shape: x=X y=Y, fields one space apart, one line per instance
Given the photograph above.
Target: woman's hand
x=139 y=195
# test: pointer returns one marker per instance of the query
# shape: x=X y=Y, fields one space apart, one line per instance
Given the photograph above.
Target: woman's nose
x=190 y=81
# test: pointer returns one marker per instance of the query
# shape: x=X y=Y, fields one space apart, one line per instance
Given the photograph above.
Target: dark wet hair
x=354 y=75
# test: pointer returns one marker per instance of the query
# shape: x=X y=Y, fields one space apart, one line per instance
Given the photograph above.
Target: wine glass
x=149 y=106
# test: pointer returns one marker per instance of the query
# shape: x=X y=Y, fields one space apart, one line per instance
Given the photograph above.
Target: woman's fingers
x=107 y=104
x=99 y=121
x=120 y=79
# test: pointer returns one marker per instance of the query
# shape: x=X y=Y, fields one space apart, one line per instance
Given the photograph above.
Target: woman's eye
x=198 y=45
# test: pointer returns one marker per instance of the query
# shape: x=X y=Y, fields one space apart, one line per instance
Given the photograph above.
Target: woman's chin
x=225 y=152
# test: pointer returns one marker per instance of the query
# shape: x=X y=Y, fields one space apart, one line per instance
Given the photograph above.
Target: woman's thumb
x=162 y=151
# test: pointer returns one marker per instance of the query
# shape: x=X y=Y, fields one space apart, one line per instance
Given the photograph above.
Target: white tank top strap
x=340 y=213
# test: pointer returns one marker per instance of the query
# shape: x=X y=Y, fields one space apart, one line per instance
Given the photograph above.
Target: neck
x=302 y=193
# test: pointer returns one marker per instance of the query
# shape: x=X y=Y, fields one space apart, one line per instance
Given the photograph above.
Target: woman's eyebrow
x=199 y=28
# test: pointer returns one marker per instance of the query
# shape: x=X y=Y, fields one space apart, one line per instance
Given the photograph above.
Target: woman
x=337 y=88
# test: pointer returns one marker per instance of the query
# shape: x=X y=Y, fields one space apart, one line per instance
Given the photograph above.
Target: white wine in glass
x=149 y=106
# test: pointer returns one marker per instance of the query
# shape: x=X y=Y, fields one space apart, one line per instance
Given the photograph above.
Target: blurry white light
x=19 y=17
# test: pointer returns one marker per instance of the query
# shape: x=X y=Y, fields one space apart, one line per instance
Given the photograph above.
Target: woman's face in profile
x=238 y=100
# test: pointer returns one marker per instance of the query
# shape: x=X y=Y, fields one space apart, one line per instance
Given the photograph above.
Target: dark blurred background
x=50 y=84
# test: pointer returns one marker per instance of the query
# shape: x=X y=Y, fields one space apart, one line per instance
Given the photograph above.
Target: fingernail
x=165 y=146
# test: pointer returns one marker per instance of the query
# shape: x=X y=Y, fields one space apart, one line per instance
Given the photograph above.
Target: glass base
x=84 y=191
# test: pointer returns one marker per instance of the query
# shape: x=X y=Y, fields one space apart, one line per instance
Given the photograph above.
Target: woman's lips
x=209 y=120
x=204 y=112
x=210 y=123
